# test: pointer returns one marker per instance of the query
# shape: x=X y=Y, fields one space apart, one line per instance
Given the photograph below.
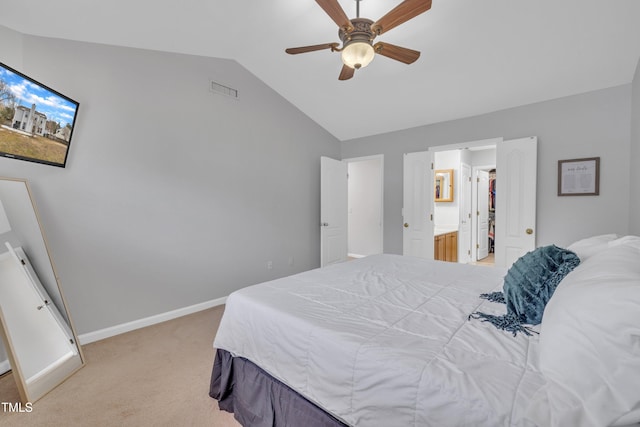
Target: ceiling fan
x=357 y=35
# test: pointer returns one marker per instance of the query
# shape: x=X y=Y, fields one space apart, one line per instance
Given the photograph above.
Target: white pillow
x=591 y=245
x=590 y=344
x=626 y=240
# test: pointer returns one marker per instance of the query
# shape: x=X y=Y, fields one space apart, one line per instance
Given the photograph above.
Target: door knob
x=529 y=231
x=325 y=224
x=406 y=225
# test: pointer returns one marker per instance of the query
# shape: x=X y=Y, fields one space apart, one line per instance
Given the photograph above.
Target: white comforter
x=386 y=341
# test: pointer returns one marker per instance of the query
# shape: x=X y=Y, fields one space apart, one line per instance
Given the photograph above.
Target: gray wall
x=10 y=46
x=172 y=195
x=587 y=125
x=634 y=194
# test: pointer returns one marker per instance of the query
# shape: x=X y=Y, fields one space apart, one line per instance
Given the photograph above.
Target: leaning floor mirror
x=39 y=347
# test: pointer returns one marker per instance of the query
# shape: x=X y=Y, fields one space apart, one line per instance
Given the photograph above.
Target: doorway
x=351 y=208
x=515 y=163
x=365 y=206
x=468 y=213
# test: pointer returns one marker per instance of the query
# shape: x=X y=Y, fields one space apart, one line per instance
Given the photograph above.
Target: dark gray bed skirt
x=256 y=399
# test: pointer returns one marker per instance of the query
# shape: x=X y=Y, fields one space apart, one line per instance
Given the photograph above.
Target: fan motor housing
x=361 y=32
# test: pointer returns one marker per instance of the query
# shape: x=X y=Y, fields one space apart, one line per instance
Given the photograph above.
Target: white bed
x=386 y=341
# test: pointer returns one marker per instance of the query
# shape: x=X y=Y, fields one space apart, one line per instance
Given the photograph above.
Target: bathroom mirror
x=39 y=347
x=443 y=186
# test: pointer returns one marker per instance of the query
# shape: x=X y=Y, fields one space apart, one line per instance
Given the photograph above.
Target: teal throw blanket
x=528 y=286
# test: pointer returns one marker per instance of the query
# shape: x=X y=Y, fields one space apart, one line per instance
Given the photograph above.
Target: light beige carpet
x=155 y=376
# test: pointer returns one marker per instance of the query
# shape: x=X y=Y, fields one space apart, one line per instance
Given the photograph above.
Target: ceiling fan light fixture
x=357 y=54
x=357 y=35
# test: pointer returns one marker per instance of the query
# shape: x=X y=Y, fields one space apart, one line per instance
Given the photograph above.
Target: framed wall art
x=579 y=177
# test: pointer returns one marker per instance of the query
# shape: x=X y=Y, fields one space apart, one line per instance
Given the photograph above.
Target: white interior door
x=333 y=211
x=482 y=214
x=417 y=208
x=464 y=228
x=516 y=165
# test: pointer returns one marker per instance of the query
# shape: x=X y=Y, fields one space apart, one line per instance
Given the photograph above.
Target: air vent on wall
x=223 y=90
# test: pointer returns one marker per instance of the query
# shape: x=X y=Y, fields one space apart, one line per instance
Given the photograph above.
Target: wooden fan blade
x=304 y=49
x=336 y=12
x=346 y=73
x=406 y=10
x=402 y=54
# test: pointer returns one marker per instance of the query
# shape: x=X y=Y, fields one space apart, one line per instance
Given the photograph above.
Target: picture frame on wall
x=579 y=177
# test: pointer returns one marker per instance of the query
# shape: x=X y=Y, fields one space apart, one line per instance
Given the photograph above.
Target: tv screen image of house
x=36 y=122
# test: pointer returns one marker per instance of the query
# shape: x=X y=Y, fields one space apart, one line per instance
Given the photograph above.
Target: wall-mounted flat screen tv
x=36 y=122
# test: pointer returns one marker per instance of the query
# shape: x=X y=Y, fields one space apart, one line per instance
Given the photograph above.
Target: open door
x=464 y=228
x=333 y=211
x=516 y=166
x=417 y=208
x=482 y=214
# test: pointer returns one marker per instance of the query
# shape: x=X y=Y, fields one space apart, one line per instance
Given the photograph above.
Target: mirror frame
x=27 y=395
x=443 y=172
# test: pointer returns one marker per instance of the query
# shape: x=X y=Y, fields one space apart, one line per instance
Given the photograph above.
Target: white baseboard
x=147 y=321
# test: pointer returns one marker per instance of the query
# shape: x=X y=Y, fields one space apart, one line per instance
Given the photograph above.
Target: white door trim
x=491 y=142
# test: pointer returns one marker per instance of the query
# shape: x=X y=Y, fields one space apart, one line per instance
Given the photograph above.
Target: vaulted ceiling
x=476 y=56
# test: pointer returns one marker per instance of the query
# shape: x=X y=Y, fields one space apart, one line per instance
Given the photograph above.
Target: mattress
x=386 y=340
